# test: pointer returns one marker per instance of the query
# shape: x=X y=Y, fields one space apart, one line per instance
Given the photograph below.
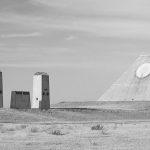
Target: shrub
x=97 y=127
x=29 y=143
x=23 y=126
x=57 y=132
x=103 y=130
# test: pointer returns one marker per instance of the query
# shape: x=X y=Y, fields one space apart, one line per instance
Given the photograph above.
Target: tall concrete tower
x=1 y=90
x=41 y=96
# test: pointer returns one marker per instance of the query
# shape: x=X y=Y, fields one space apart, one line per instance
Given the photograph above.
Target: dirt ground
x=110 y=136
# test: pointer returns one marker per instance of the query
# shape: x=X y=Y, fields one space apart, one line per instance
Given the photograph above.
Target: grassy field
x=71 y=115
x=113 y=105
x=112 y=136
x=77 y=128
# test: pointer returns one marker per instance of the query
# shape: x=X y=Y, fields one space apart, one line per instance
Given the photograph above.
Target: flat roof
x=41 y=73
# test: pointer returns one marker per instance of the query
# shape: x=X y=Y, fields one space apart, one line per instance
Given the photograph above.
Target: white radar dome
x=143 y=71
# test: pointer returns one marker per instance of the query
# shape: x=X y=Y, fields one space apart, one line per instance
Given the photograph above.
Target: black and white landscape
x=74 y=75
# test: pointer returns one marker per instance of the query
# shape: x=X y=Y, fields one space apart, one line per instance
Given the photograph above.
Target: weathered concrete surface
x=45 y=103
x=41 y=95
x=131 y=87
x=37 y=91
x=1 y=90
x=20 y=100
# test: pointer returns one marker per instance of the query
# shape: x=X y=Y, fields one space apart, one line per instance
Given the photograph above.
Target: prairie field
x=110 y=136
x=76 y=128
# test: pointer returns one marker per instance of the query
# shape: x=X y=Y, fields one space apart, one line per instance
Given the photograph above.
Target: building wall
x=41 y=95
x=1 y=90
x=13 y=100
x=20 y=100
x=45 y=103
x=37 y=91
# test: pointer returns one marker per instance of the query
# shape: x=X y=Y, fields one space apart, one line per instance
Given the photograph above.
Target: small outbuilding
x=20 y=100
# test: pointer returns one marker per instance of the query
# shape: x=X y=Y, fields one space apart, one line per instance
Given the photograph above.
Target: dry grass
x=7 y=129
x=21 y=127
x=115 y=126
x=11 y=129
x=93 y=142
x=105 y=131
x=3 y=130
x=34 y=129
x=80 y=137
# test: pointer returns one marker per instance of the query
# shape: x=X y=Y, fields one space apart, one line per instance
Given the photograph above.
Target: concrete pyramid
x=133 y=85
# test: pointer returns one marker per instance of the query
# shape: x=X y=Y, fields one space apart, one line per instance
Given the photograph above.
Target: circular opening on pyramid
x=143 y=71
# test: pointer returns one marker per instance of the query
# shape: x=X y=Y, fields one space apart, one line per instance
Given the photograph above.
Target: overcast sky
x=84 y=45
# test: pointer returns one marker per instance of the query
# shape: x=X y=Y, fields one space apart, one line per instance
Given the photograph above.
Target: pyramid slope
x=133 y=85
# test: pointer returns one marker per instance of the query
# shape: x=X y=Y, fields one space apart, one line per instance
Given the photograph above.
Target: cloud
x=56 y=4
x=34 y=34
x=84 y=65
x=71 y=37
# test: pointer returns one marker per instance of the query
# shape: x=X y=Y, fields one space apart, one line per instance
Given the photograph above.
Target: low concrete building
x=20 y=100
x=41 y=95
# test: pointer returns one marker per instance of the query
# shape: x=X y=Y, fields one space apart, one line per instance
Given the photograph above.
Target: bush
x=103 y=130
x=57 y=132
x=97 y=127
x=23 y=126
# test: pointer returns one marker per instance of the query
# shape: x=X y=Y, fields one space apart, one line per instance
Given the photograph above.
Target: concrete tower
x=41 y=98
x=1 y=90
x=133 y=85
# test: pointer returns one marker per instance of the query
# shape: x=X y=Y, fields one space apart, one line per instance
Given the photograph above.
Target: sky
x=84 y=45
